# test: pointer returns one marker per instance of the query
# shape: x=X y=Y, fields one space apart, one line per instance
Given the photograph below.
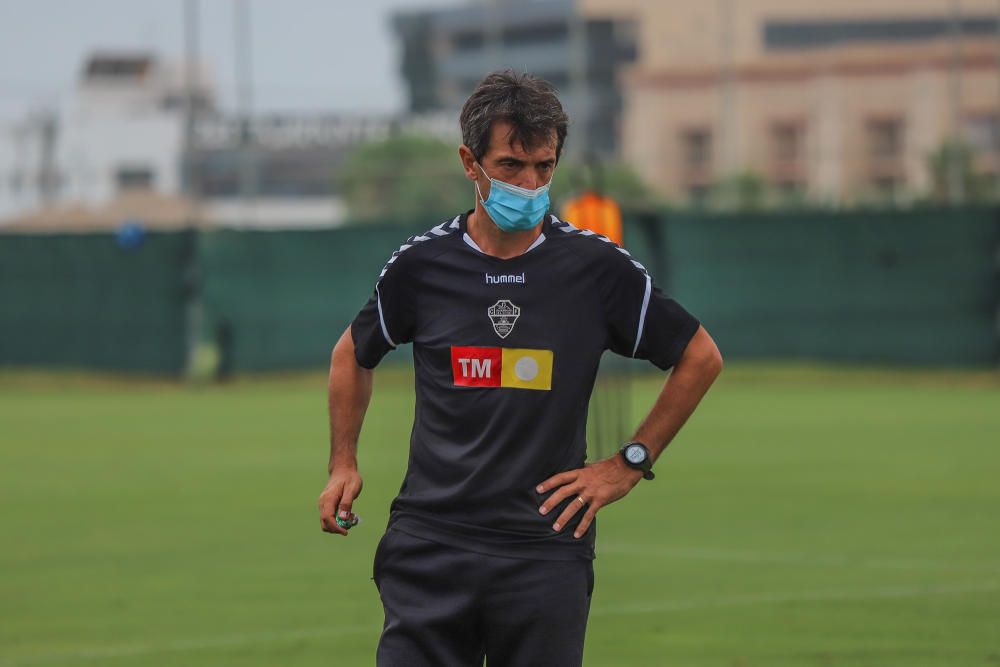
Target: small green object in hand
x=347 y=524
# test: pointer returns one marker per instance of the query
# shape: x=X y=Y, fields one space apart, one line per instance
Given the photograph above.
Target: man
x=490 y=542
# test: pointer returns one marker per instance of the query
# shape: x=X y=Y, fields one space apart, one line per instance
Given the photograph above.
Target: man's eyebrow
x=519 y=162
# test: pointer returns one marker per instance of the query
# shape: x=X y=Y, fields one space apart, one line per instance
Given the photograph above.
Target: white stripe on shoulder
x=642 y=313
x=567 y=228
x=444 y=229
x=562 y=225
x=381 y=319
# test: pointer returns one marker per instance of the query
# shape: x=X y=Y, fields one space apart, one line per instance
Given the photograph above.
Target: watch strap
x=646 y=466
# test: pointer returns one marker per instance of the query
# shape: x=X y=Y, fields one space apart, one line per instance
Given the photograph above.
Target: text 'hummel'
x=504 y=279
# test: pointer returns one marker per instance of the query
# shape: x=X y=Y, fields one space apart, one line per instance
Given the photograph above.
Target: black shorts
x=446 y=607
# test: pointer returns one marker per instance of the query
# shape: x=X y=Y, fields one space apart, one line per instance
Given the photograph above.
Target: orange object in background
x=597 y=213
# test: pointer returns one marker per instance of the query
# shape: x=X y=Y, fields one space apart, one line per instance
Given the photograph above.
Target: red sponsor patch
x=476 y=366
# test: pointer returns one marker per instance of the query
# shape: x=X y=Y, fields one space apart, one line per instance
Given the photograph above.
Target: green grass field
x=803 y=517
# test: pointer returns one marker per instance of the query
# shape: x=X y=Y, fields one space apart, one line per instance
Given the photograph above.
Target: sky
x=307 y=55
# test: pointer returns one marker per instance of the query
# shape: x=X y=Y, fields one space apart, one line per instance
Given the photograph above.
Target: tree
x=408 y=177
x=953 y=176
x=615 y=180
x=404 y=178
x=741 y=191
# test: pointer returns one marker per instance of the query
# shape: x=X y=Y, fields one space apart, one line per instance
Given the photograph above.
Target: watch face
x=635 y=454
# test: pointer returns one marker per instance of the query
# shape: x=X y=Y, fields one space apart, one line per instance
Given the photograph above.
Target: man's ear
x=468 y=162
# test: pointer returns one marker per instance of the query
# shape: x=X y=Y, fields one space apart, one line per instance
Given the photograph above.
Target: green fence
x=84 y=300
x=916 y=287
x=276 y=300
x=919 y=287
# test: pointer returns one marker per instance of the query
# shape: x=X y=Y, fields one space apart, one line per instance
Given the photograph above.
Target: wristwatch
x=636 y=456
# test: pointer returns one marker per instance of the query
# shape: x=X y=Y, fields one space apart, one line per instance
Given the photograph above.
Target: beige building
x=839 y=102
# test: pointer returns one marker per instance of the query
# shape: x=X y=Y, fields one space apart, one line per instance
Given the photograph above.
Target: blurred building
x=446 y=52
x=121 y=135
x=123 y=130
x=27 y=163
x=275 y=170
x=836 y=102
x=124 y=149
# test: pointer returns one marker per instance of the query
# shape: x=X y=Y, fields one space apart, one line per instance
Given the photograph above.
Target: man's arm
x=349 y=391
x=606 y=481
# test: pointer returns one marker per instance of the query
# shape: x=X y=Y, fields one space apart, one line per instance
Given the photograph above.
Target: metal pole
x=728 y=166
x=956 y=183
x=47 y=184
x=244 y=101
x=192 y=188
x=577 y=26
x=493 y=35
x=996 y=123
x=191 y=184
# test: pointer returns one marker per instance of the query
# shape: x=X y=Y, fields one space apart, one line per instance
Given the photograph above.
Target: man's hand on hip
x=592 y=487
x=338 y=496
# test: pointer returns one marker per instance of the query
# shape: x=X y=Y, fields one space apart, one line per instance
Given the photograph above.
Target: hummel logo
x=504 y=279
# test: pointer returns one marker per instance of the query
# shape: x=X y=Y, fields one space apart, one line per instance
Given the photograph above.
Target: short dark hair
x=527 y=102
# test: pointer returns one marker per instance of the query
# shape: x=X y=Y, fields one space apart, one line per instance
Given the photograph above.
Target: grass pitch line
x=181 y=645
x=754 y=599
x=826 y=560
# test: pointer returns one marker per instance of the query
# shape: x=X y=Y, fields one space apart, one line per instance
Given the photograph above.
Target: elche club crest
x=503 y=314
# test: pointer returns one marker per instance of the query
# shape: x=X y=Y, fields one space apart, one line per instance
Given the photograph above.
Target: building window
x=798 y=34
x=535 y=34
x=885 y=157
x=697 y=148
x=982 y=133
x=885 y=139
x=787 y=142
x=134 y=177
x=886 y=188
x=696 y=164
x=787 y=167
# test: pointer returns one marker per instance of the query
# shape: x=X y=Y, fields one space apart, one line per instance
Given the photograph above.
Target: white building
x=126 y=129
x=123 y=130
x=124 y=137
x=27 y=154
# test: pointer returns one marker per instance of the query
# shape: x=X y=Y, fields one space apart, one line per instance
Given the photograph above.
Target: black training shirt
x=505 y=353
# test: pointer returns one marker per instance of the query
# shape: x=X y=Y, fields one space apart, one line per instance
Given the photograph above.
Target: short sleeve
x=387 y=320
x=642 y=321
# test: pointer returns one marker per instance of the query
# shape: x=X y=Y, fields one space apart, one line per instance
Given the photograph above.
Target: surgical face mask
x=514 y=209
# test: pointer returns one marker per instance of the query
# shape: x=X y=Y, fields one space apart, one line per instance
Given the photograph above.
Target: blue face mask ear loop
x=478 y=191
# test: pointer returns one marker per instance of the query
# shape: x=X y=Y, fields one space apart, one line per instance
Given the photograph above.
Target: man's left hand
x=593 y=486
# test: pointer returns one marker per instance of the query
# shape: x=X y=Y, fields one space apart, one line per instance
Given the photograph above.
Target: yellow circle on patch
x=526 y=369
